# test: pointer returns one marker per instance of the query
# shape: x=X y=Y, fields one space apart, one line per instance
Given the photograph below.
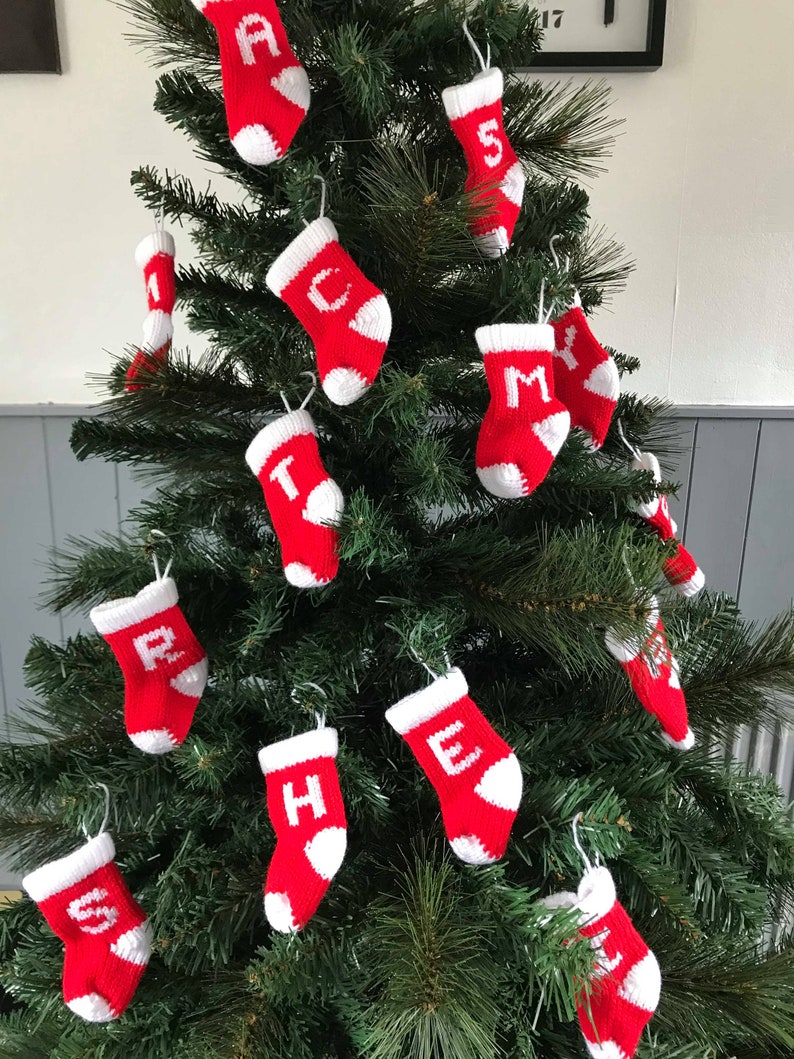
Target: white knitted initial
x=448 y=756
x=85 y=909
x=155 y=646
x=312 y=797
x=512 y=378
x=246 y=40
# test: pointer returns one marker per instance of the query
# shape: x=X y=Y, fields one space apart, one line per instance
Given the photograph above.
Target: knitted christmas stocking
x=525 y=425
x=653 y=674
x=475 y=773
x=495 y=175
x=164 y=666
x=86 y=902
x=304 y=502
x=154 y=256
x=624 y=991
x=308 y=815
x=265 y=89
x=680 y=569
x=348 y=319
x=585 y=376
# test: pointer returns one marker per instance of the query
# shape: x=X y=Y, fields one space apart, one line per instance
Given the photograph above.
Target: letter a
x=246 y=40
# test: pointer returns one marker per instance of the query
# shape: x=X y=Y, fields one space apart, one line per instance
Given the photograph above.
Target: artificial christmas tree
x=395 y=948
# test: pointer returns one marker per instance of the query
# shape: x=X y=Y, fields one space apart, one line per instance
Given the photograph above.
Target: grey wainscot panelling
x=732 y=511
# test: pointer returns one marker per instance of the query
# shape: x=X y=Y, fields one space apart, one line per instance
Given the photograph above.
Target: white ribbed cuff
x=646 y=461
x=626 y=650
x=508 y=338
x=419 y=707
x=303 y=249
x=276 y=434
x=483 y=90
x=118 y=614
x=308 y=746
x=596 y=894
x=156 y=243
x=61 y=874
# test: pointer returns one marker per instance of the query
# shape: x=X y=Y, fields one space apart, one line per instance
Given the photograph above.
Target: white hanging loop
x=542 y=301
x=485 y=65
x=417 y=657
x=159 y=218
x=554 y=256
x=632 y=448
x=323 y=195
x=284 y=399
x=155 y=563
x=311 y=392
x=447 y=662
x=105 y=818
x=578 y=844
x=320 y=717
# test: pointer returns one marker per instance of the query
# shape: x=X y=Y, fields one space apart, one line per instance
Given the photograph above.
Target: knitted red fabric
x=653 y=674
x=525 y=424
x=106 y=936
x=585 y=376
x=348 y=319
x=164 y=666
x=304 y=502
x=474 y=110
x=473 y=770
x=681 y=570
x=265 y=89
x=625 y=988
x=154 y=256
x=305 y=805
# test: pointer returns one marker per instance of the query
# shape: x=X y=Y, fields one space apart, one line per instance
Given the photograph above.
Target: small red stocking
x=154 y=256
x=474 y=110
x=265 y=89
x=106 y=936
x=653 y=673
x=475 y=773
x=305 y=806
x=348 y=319
x=164 y=666
x=585 y=376
x=304 y=502
x=525 y=424
x=624 y=991
x=680 y=569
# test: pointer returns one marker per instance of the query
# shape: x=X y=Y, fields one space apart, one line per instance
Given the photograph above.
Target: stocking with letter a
x=265 y=89
x=304 y=802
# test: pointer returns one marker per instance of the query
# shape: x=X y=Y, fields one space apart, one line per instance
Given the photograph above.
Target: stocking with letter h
x=474 y=772
x=304 y=802
x=623 y=992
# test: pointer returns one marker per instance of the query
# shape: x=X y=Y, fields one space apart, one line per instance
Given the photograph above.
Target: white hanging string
x=632 y=448
x=105 y=818
x=159 y=218
x=308 y=396
x=155 y=563
x=323 y=195
x=578 y=844
x=415 y=654
x=541 y=301
x=554 y=256
x=485 y=64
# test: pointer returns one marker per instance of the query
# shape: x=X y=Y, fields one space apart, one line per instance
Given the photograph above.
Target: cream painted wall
x=700 y=188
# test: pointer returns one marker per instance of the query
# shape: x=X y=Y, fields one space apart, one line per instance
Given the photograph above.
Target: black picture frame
x=29 y=37
x=612 y=61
